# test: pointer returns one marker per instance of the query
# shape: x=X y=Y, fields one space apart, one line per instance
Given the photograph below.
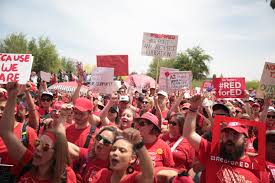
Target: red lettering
x=270 y=67
x=8 y=68
x=27 y=58
x=12 y=77
x=2 y=77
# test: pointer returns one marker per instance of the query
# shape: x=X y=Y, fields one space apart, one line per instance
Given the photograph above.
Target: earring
x=130 y=169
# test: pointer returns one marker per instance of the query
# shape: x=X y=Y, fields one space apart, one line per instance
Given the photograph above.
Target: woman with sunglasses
x=96 y=158
x=147 y=105
x=50 y=159
x=124 y=153
x=183 y=152
x=149 y=129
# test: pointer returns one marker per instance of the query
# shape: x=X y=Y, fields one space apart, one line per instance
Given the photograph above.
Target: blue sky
x=238 y=34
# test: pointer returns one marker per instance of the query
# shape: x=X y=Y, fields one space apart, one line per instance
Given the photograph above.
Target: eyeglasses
x=142 y=123
x=145 y=102
x=45 y=147
x=271 y=116
x=172 y=123
x=106 y=142
x=46 y=99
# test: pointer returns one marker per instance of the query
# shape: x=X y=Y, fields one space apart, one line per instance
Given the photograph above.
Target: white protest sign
x=179 y=79
x=159 y=45
x=15 y=67
x=267 y=83
x=102 y=80
x=45 y=76
x=163 y=77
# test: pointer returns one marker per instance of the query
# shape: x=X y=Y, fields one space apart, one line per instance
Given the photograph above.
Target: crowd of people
x=131 y=136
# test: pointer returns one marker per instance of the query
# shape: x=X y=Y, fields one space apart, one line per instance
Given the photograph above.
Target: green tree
x=193 y=59
x=45 y=54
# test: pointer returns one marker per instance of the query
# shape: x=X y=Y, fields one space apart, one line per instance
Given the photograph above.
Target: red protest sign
x=118 y=62
x=218 y=167
x=229 y=87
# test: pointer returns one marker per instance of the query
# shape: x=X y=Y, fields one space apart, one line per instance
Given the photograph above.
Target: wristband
x=138 y=145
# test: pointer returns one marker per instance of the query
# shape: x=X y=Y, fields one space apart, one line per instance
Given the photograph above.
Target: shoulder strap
x=89 y=136
x=176 y=144
x=24 y=135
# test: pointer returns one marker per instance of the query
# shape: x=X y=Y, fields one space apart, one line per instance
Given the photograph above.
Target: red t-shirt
x=104 y=176
x=28 y=178
x=31 y=135
x=160 y=153
x=183 y=154
x=271 y=171
x=77 y=136
x=91 y=166
x=220 y=170
x=164 y=113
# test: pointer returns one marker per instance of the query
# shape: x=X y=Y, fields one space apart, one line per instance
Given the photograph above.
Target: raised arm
x=145 y=161
x=33 y=113
x=264 y=112
x=104 y=113
x=15 y=148
x=189 y=129
x=158 y=110
x=77 y=90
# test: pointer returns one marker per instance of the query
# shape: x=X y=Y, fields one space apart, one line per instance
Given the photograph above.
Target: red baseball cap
x=256 y=105
x=151 y=118
x=236 y=126
x=83 y=104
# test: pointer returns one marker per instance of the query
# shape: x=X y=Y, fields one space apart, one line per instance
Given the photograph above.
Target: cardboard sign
x=140 y=81
x=15 y=67
x=159 y=45
x=207 y=86
x=102 y=80
x=163 y=77
x=229 y=87
x=261 y=129
x=118 y=62
x=45 y=76
x=178 y=80
x=267 y=83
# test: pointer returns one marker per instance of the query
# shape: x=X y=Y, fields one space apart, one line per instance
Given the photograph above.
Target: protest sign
x=15 y=67
x=178 y=80
x=140 y=81
x=230 y=170
x=45 y=76
x=118 y=62
x=102 y=80
x=267 y=83
x=163 y=77
x=229 y=87
x=207 y=86
x=159 y=45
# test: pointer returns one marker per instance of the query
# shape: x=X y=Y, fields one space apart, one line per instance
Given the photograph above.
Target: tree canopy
x=193 y=59
x=46 y=57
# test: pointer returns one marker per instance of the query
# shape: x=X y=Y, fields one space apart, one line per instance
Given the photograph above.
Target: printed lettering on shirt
x=91 y=174
x=241 y=164
x=227 y=175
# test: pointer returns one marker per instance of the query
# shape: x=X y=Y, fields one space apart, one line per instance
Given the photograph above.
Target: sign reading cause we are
x=229 y=87
x=159 y=45
x=15 y=67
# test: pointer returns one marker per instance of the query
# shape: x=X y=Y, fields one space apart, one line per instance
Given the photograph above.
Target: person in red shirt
x=50 y=159
x=162 y=103
x=270 y=154
x=97 y=157
x=183 y=152
x=82 y=111
x=231 y=150
x=27 y=140
x=159 y=151
x=124 y=152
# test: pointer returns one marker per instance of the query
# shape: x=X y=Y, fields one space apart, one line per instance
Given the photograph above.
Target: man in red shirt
x=228 y=162
x=162 y=102
x=77 y=132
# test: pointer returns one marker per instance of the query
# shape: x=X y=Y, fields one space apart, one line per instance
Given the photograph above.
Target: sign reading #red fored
x=229 y=87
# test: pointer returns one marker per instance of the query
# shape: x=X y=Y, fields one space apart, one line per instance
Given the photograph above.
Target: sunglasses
x=172 y=123
x=46 y=99
x=213 y=115
x=45 y=147
x=142 y=123
x=106 y=142
x=271 y=116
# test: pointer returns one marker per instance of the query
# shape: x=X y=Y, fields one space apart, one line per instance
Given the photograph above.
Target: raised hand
x=196 y=101
x=132 y=135
x=12 y=88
